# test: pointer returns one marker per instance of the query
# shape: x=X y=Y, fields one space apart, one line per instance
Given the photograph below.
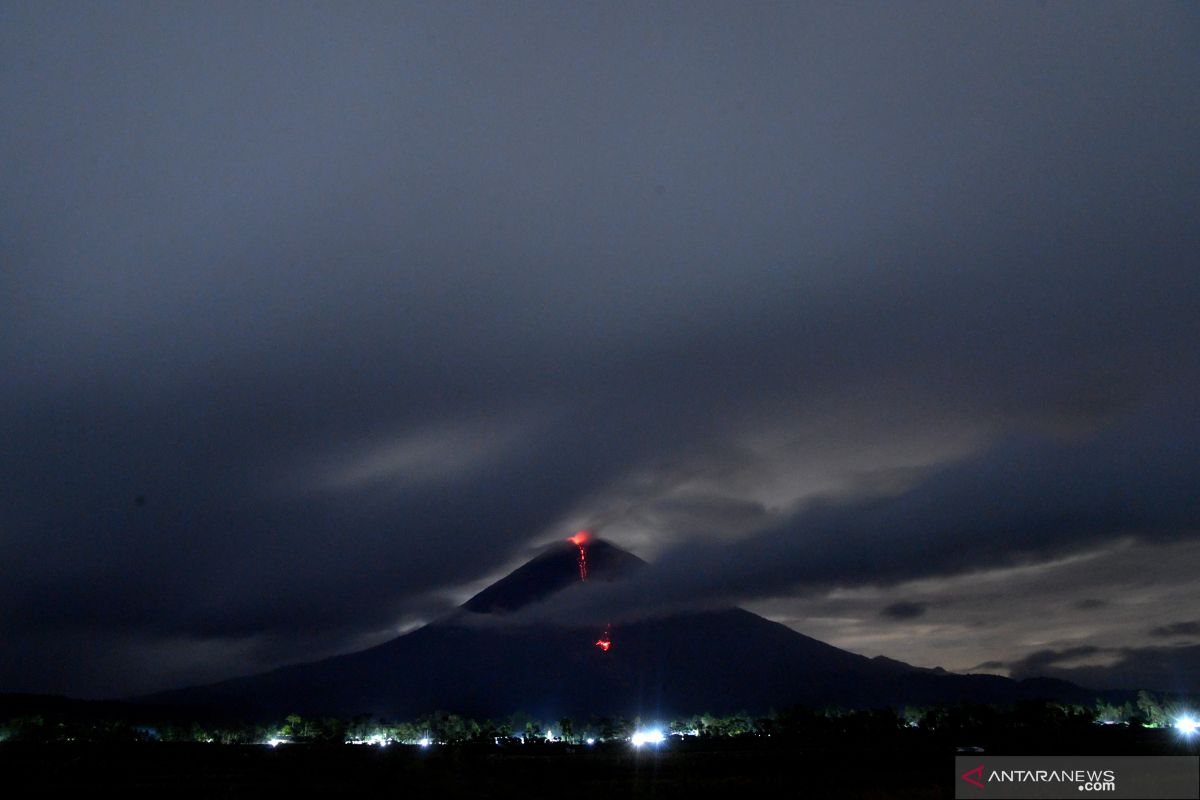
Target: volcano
x=476 y=662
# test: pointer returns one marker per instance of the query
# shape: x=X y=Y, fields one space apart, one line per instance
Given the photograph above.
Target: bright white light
x=424 y=742
x=549 y=736
x=1186 y=725
x=640 y=738
x=276 y=742
x=591 y=740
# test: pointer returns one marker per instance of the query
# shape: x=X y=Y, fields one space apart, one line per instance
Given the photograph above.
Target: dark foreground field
x=917 y=769
x=672 y=771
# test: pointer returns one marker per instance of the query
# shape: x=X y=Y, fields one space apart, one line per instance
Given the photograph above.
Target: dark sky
x=879 y=318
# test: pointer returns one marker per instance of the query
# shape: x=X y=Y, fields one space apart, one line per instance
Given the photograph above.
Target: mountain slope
x=718 y=661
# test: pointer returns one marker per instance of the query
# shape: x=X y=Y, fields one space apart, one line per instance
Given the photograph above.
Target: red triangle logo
x=977 y=780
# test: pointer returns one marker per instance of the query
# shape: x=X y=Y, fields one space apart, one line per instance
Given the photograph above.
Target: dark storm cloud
x=1177 y=629
x=1090 y=604
x=1017 y=503
x=984 y=620
x=1173 y=669
x=367 y=302
x=903 y=610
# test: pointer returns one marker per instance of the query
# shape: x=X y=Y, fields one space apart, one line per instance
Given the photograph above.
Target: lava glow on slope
x=605 y=641
x=580 y=540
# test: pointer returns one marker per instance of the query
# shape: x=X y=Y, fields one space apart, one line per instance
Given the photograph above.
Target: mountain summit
x=578 y=559
x=475 y=662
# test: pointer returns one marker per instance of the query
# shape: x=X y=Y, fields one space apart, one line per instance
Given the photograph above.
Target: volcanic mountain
x=476 y=662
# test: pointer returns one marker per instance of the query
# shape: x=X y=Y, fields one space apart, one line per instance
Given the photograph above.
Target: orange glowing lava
x=579 y=540
x=605 y=641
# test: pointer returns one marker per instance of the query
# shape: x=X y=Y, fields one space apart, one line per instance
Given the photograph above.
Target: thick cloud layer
x=1017 y=503
x=316 y=319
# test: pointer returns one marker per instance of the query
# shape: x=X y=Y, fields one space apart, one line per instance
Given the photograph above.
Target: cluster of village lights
x=1187 y=725
x=641 y=738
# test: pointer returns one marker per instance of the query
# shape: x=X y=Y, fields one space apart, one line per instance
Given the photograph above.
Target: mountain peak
x=718 y=660
x=578 y=559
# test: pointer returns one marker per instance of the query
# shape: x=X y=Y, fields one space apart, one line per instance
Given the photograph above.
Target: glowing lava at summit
x=579 y=540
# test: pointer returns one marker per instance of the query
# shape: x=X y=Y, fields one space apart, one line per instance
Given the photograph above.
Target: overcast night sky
x=881 y=320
